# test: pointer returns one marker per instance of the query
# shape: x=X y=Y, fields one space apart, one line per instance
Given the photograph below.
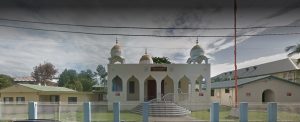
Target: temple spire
x=197 y=41
x=146 y=51
x=117 y=40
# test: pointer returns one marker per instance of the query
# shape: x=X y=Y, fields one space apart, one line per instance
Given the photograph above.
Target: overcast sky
x=21 y=50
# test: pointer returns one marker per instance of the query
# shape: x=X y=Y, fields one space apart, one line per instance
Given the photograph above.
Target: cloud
x=290 y=7
x=20 y=50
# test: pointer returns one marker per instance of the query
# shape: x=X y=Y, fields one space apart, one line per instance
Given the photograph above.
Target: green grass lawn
x=78 y=116
x=199 y=115
x=252 y=115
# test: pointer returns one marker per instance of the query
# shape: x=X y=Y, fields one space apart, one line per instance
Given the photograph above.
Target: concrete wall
x=222 y=97
x=280 y=89
x=252 y=92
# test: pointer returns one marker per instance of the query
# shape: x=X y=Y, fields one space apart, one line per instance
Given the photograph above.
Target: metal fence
x=123 y=112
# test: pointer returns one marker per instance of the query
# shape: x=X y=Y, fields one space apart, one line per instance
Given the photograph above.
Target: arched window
x=117 y=84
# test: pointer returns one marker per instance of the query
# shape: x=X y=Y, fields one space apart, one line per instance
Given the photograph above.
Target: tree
x=101 y=72
x=43 y=72
x=83 y=81
x=5 y=81
x=161 y=60
x=293 y=50
x=75 y=85
x=69 y=78
x=87 y=80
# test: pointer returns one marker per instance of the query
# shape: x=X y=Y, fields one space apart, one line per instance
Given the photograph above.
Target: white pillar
x=141 y=84
x=193 y=82
x=175 y=82
x=124 y=89
x=158 y=88
x=192 y=93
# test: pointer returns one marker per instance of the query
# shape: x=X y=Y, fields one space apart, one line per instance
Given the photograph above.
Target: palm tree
x=293 y=50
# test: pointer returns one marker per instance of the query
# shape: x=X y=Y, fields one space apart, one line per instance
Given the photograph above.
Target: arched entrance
x=133 y=89
x=150 y=88
x=268 y=96
x=184 y=85
x=167 y=86
x=117 y=84
x=184 y=88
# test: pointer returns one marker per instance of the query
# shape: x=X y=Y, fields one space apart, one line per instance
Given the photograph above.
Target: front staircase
x=163 y=109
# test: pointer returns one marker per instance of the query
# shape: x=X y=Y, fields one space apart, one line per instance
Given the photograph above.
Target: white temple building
x=147 y=81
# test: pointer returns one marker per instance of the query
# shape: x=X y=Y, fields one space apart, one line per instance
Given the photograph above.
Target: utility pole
x=235 y=65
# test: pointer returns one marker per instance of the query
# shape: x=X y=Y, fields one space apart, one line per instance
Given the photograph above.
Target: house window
x=72 y=100
x=8 y=99
x=54 y=98
x=248 y=94
x=117 y=84
x=212 y=92
x=131 y=87
x=289 y=94
x=20 y=99
x=227 y=90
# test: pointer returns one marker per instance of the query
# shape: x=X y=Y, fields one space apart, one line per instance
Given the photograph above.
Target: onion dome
x=146 y=59
x=196 y=51
x=115 y=50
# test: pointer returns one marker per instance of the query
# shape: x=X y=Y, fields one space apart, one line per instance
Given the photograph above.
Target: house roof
x=230 y=83
x=283 y=65
x=47 y=88
x=24 y=79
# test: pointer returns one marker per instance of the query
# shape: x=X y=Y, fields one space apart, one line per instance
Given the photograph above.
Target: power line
x=148 y=28
x=145 y=35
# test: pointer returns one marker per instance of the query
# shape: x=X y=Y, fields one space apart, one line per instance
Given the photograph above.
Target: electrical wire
x=146 y=35
x=148 y=28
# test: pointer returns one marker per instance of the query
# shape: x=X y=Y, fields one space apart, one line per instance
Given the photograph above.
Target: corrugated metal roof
x=230 y=83
x=24 y=79
x=263 y=69
x=48 y=88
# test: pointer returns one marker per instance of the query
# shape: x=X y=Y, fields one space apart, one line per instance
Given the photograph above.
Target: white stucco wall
x=142 y=72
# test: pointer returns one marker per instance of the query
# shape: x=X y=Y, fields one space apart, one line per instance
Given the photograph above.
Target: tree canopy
x=101 y=72
x=5 y=81
x=69 y=79
x=82 y=81
x=43 y=72
x=87 y=80
x=161 y=60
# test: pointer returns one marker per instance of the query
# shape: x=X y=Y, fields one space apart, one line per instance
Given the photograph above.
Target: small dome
x=146 y=59
x=196 y=51
x=115 y=50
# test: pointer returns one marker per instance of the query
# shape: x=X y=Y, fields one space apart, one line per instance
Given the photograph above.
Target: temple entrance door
x=151 y=89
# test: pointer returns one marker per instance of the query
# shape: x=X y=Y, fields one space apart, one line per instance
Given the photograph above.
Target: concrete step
x=163 y=109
